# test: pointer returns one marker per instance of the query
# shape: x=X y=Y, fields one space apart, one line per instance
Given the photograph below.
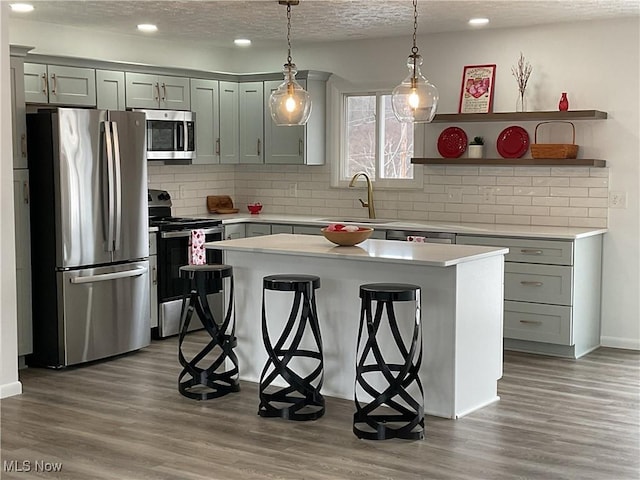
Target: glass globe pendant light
x=289 y=104
x=415 y=100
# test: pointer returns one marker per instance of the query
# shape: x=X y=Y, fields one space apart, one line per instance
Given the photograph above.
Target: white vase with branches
x=521 y=72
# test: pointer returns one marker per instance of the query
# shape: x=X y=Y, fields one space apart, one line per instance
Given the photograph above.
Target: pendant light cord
x=289 y=33
x=414 y=50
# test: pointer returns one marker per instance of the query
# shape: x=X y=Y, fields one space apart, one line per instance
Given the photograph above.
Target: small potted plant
x=476 y=147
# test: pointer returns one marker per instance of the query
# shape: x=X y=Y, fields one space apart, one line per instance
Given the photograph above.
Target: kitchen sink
x=357 y=220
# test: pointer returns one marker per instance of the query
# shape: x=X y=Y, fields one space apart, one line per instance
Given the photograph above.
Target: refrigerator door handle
x=118 y=188
x=136 y=272
x=110 y=193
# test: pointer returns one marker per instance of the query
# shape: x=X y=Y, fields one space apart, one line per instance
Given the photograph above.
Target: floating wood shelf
x=516 y=162
x=519 y=116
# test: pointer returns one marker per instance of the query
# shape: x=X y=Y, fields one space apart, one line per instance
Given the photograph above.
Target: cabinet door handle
x=25 y=192
x=55 y=84
x=45 y=85
x=531 y=284
x=157 y=89
x=154 y=275
x=23 y=145
x=300 y=147
x=531 y=322
x=217 y=146
x=259 y=145
x=164 y=92
x=529 y=251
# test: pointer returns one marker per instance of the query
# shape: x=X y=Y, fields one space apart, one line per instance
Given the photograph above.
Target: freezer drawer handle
x=529 y=251
x=136 y=272
x=531 y=284
x=531 y=322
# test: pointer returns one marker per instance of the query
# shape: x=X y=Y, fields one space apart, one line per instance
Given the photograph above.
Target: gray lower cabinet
x=59 y=85
x=205 y=98
x=110 y=93
x=257 y=229
x=153 y=279
x=145 y=90
x=234 y=230
x=23 y=260
x=552 y=291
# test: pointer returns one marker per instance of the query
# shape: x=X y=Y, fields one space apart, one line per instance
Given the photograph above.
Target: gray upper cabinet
x=18 y=112
x=110 y=90
x=157 y=91
x=59 y=85
x=229 y=122
x=204 y=96
x=251 y=122
x=297 y=145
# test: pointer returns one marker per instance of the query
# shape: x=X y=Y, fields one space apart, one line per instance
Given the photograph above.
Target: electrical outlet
x=293 y=190
x=183 y=191
x=618 y=199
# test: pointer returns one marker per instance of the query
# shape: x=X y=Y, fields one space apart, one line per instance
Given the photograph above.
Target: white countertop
x=485 y=229
x=384 y=251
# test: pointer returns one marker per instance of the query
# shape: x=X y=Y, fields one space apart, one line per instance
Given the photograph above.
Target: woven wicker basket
x=554 y=150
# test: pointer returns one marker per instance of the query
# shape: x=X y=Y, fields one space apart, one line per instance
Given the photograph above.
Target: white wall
x=9 y=384
x=597 y=63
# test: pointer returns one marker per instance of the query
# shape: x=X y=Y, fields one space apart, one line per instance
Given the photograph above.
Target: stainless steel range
x=173 y=236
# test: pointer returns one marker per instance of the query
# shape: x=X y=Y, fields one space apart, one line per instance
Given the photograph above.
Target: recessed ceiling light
x=147 y=27
x=478 y=21
x=21 y=7
x=242 y=42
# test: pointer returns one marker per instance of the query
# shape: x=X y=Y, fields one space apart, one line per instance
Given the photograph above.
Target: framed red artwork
x=476 y=93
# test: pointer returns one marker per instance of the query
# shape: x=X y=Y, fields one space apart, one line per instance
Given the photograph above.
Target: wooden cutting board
x=217 y=202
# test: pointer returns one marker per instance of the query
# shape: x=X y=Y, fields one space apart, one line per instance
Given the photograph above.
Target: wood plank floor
x=124 y=419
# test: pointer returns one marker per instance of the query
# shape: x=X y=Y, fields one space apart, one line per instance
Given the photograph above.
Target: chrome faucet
x=369 y=202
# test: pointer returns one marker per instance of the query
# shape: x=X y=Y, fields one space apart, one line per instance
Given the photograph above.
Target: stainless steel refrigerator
x=89 y=234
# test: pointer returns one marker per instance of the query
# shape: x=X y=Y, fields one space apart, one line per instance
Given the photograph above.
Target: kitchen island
x=462 y=298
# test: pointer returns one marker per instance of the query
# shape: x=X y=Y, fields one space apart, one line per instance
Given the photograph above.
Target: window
x=370 y=139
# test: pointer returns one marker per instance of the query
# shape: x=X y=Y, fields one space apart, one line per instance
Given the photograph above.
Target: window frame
x=339 y=90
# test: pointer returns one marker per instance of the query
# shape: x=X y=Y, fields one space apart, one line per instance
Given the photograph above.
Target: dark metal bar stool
x=389 y=377
x=214 y=380
x=301 y=398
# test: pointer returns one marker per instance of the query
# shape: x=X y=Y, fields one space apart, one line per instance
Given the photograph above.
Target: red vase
x=563 y=106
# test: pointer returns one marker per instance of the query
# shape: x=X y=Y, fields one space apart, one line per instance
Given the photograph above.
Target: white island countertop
x=462 y=228
x=383 y=251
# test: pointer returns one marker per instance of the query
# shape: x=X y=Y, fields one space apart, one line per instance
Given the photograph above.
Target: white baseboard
x=618 y=342
x=10 y=389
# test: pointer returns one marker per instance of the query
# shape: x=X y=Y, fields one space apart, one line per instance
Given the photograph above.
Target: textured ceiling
x=264 y=21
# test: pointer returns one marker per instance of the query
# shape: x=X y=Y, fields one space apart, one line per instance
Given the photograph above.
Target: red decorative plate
x=452 y=142
x=513 y=142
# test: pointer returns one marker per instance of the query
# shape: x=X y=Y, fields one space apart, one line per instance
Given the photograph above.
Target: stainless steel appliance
x=429 y=237
x=173 y=239
x=171 y=135
x=89 y=234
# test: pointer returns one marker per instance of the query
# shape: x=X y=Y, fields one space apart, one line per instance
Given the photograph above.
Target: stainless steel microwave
x=171 y=134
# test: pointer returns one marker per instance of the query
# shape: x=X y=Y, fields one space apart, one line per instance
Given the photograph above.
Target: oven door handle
x=187 y=233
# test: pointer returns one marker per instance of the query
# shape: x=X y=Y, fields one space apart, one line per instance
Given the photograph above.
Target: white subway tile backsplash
x=588 y=222
x=530 y=210
x=551 y=181
x=569 y=192
x=563 y=196
x=514 y=200
x=568 y=211
x=600 y=182
x=551 y=201
x=514 y=181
